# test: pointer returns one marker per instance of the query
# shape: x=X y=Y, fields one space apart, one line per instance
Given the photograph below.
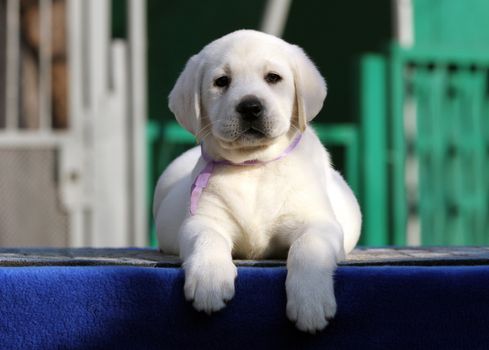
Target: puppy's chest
x=266 y=203
x=252 y=190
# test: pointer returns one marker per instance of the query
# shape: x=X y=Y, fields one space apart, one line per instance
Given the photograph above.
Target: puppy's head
x=247 y=92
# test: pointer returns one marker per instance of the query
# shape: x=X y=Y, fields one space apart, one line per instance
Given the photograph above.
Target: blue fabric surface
x=144 y=308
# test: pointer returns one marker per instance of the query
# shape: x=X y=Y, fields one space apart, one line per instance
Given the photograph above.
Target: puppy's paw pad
x=309 y=317
x=310 y=306
x=210 y=285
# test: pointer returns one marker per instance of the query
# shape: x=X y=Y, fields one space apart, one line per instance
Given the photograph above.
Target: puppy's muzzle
x=250 y=109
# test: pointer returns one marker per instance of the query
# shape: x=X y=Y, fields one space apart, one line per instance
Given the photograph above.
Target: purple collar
x=202 y=179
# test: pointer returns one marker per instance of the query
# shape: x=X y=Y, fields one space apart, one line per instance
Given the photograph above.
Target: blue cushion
x=110 y=307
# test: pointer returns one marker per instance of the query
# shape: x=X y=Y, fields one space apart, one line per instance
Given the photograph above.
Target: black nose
x=250 y=108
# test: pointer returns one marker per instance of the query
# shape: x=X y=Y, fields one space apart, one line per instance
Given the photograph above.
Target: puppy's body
x=264 y=207
x=247 y=96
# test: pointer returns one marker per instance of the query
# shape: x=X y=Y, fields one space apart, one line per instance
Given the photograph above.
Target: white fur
x=297 y=208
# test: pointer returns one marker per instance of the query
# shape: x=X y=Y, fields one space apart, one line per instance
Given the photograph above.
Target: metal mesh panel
x=30 y=211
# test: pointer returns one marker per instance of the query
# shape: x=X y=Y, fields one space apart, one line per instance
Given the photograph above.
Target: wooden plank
x=145 y=257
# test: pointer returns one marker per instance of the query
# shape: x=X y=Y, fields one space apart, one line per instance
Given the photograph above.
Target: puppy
x=261 y=184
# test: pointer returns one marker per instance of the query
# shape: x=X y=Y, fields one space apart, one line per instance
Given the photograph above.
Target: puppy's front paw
x=310 y=300
x=209 y=283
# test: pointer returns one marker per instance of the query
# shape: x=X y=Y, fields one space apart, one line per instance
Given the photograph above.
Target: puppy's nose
x=250 y=108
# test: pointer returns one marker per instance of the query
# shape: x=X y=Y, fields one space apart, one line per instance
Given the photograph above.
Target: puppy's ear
x=184 y=99
x=310 y=87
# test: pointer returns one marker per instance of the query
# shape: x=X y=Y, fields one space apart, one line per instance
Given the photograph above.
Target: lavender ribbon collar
x=202 y=179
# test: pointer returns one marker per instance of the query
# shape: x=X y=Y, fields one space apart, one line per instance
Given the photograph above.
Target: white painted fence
x=99 y=159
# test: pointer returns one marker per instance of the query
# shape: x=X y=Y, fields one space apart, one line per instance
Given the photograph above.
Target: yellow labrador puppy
x=261 y=184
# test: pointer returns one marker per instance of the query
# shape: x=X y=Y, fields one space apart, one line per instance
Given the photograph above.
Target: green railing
x=425 y=142
x=446 y=94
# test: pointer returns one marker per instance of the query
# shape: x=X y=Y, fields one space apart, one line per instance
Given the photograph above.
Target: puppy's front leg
x=208 y=264
x=310 y=266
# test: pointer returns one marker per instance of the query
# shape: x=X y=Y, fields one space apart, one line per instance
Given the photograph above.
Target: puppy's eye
x=223 y=81
x=272 y=78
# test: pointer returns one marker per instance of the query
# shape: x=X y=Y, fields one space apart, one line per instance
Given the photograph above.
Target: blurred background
x=85 y=130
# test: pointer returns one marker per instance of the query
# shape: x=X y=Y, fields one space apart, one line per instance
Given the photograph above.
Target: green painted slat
x=374 y=157
x=435 y=87
x=485 y=128
x=398 y=148
x=423 y=148
x=451 y=116
x=469 y=153
x=456 y=235
x=475 y=81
